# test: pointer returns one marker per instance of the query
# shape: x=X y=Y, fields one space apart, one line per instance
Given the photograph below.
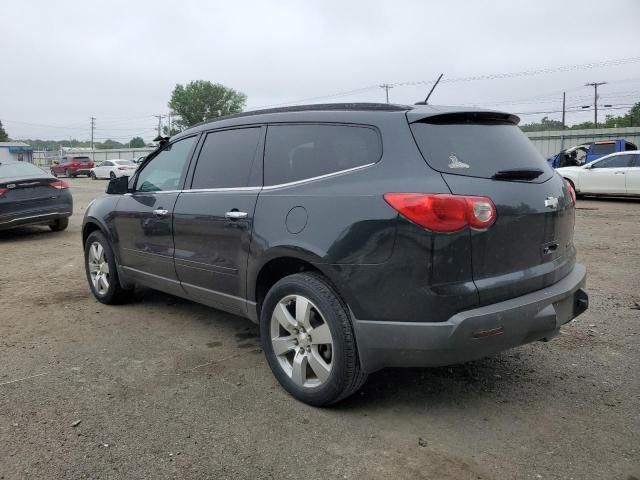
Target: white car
x=113 y=169
x=614 y=174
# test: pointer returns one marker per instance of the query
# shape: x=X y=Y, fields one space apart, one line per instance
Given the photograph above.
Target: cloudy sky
x=65 y=61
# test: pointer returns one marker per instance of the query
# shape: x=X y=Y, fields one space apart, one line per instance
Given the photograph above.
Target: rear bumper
x=36 y=217
x=81 y=171
x=475 y=333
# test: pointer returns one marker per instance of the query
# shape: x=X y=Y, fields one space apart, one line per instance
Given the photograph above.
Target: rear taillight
x=444 y=213
x=571 y=190
x=3 y=191
x=122 y=168
x=59 y=184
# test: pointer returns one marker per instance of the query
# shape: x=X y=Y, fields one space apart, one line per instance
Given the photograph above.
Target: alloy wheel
x=98 y=268
x=302 y=341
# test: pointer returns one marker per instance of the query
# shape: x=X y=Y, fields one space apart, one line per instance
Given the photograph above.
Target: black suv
x=359 y=236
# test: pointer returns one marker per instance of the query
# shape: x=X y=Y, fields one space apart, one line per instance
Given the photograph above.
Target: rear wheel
x=66 y=173
x=112 y=175
x=60 y=224
x=101 y=270
x=54 y=173
x=308 y=340
x=93 y=176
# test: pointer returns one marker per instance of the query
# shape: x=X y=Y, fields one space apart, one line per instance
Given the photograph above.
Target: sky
x=63 y=62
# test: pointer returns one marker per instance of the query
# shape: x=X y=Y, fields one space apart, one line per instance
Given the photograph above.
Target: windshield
x=125 y=162
x=19 y=170
x=478 y=148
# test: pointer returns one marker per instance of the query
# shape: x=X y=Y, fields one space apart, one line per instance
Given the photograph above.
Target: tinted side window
x=603 y=148
x=297 y=152
x=163 y=172
x=226 y=158
x=619 y=161
x=635 y=161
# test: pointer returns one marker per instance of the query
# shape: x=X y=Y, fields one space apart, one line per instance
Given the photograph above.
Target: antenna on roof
x=426 y=100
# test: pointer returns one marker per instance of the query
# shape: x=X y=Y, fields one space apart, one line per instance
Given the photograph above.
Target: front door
x=606 y=176
x=143 y=219
x=214 y=217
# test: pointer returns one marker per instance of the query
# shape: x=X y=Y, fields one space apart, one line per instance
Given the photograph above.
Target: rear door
x=213 y=218
x=606 y=176
x=143 y=219
x=632 y=177
x=530 y=246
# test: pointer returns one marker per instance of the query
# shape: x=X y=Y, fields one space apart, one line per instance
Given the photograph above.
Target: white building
x=19 y=151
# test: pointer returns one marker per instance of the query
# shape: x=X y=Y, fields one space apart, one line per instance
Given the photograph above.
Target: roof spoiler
x=441 y=116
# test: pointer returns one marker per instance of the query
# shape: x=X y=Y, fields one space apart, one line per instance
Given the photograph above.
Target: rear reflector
x=59 y=184
x=488 y=333
x=444 y=213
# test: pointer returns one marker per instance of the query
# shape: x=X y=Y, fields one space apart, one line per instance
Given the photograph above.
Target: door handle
x=160 y=212
x=618 y=173
x=235 y=215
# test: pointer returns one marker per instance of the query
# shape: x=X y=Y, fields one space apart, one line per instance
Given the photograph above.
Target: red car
x=72 y=166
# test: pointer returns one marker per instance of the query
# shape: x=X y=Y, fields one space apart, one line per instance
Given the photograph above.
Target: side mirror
x=118 y=186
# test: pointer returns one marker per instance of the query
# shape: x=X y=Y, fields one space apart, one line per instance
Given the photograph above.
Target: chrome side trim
x=319 y=177
x=257 y=189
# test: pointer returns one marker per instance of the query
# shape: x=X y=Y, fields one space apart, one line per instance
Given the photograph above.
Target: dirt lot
x=165 y=388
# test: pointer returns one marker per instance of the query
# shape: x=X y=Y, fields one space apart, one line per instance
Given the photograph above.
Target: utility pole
x=159 y=117
x=93 y=127
x=386 y=87
x=564 y=98
x=595 y=100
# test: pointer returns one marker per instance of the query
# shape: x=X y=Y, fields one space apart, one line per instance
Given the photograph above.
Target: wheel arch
x=281 y=262
x=92 y=224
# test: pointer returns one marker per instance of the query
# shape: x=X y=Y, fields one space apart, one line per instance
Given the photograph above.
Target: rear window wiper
x=518 y=174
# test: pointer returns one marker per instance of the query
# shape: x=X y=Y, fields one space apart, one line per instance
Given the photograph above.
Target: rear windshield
x=81 y=159
x=8 y=170
x=603 y=148
x=478 y=148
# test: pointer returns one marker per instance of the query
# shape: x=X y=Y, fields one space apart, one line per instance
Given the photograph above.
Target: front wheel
x=308 y=340
x=101 y=270
x=54 y=173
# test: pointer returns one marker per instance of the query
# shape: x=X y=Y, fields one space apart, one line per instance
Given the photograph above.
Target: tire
x=109 y=292
x=60 y=224
x=328 y=314
x=93 y=176
x=54 y=173
x=66 y=173
x=112 y=175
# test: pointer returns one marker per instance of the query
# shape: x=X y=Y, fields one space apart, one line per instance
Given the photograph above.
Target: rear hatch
x=83 y=162
x=530 y=245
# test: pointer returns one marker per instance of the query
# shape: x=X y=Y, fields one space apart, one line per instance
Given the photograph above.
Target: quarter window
x=164 y=171
x=226 y=158
x=298 y=152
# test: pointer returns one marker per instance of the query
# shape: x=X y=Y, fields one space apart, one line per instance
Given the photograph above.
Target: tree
x=4 y=137
x=136 y=142
x=202 y=100
x=545 y=124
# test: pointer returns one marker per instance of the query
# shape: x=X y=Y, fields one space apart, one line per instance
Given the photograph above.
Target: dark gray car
x=359 y=236
x=30 y=196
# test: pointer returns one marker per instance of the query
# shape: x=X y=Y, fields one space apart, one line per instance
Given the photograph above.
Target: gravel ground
x=165 y=388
